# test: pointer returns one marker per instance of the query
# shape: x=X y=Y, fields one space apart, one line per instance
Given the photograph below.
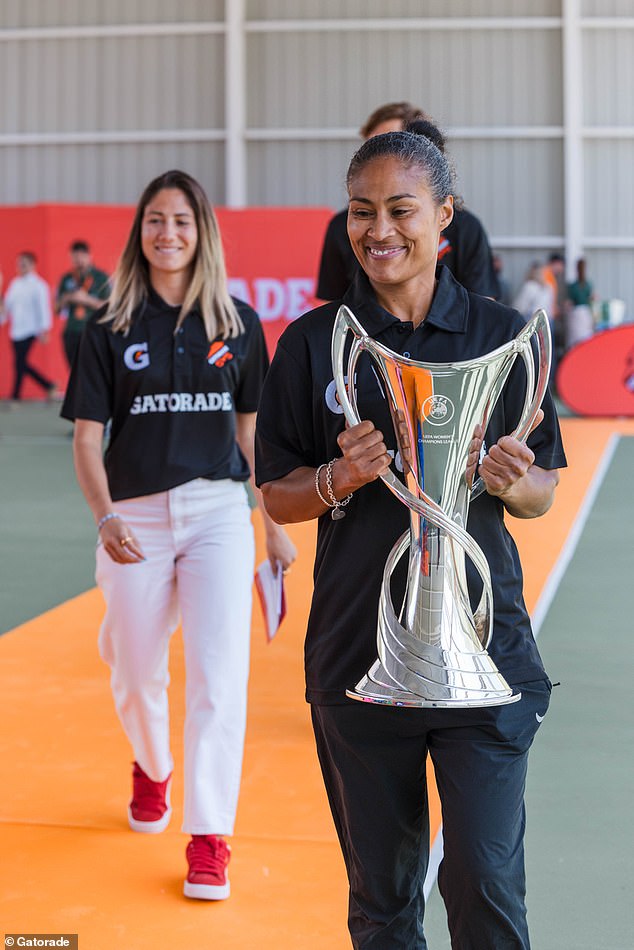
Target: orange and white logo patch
x=219 y=354
x=444 y=247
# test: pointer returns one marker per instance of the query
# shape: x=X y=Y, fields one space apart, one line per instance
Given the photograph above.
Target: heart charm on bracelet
x=337 y=514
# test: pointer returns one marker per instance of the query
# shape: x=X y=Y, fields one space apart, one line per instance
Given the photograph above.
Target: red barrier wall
x=272 y=259
x=596 y=377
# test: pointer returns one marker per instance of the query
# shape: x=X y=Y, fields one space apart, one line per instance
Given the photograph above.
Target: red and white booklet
x=270 y=588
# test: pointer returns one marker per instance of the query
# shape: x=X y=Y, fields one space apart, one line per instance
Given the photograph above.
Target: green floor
x=580 y=842
x=47 y=535
x=581 y=779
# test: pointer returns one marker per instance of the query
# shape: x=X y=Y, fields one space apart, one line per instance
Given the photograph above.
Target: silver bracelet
x=336 y=505
x=318 y=489
x=108 y=517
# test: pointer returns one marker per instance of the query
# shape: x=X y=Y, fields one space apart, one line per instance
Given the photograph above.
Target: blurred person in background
x=504 y=288
x=555 y=276
x=177 y=365
x=578 y=318
x=535 y=293
x=81 y=292
x=27 y=306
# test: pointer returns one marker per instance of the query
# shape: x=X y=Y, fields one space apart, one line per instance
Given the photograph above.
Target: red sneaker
x=149 y=811
x=208 y=857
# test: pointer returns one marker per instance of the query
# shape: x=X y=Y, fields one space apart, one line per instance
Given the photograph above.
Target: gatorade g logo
x=219 y=354
x=438 y=410
x=136 y=356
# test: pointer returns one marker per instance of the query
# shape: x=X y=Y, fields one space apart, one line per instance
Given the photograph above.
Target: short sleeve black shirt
x=171 y=397
x=298 y=423
x=338 y=265
x=464 y=248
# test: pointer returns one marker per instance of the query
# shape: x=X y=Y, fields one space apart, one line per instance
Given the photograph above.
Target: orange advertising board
x=272 y=260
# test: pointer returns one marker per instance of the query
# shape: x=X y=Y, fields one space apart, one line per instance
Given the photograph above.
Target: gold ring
x=124 y=541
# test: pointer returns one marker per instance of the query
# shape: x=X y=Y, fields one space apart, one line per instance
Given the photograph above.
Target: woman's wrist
x=335 y=499
x=271 y=528
x=106 y=518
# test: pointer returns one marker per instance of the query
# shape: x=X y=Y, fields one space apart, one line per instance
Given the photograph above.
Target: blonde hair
x=207 y=289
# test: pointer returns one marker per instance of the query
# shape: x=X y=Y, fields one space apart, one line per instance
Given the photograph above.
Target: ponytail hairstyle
x=207 y=291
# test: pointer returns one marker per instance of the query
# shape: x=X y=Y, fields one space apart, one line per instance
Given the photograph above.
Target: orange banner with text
x=272 y=260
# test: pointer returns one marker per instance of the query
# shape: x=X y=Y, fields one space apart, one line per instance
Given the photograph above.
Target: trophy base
x=368 y=691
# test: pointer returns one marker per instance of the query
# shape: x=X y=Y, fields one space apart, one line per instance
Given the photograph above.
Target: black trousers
x=373 y=760
x=23 y=367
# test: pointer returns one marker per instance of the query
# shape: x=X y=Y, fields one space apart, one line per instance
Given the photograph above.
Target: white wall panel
x=110 y=174
x=306 y=174
x=19 y=14
x=115 y=84
x=608 y=56
x=461 y=78
x=515 y=187
x=612 y=273
x=12 y=94
x=336 y=9
x=602 y=8
x=114 y=94
x=609 y=188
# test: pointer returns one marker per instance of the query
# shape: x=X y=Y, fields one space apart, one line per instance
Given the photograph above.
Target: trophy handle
x=538 y=325
x=425 y=506
x=345 y=322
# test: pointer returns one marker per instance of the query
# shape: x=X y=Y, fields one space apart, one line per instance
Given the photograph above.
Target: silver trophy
x=433 y=652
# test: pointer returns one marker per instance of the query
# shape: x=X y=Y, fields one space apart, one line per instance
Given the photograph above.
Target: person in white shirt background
x=27 y=306
x=536 y=293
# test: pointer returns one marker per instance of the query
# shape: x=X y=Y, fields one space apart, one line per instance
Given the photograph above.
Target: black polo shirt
x=338 y=265
x=464 y=248
x=298 y=423
x=172 y=398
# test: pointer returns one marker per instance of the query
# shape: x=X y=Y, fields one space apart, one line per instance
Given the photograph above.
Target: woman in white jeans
x=176 y=366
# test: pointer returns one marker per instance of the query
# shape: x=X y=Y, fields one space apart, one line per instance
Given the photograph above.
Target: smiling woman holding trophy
x=408 y=418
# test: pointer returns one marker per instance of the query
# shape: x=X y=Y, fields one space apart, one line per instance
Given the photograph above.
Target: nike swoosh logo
x=539 y=718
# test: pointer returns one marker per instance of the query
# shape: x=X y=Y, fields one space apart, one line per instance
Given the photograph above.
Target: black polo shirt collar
x=449 y=310
x=155 y=302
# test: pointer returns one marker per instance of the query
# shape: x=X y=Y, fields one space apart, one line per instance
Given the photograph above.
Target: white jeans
x=199 y=548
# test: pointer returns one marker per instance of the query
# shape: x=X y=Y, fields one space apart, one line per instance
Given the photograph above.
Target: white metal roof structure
x=262 y=101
